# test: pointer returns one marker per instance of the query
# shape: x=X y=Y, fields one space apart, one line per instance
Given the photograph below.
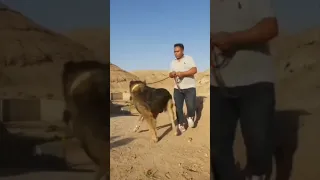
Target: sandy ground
x=134 y=156
x=297 y=155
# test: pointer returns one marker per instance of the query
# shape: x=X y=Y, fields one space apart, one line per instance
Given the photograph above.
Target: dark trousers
x=254 y=106
x=188 y=95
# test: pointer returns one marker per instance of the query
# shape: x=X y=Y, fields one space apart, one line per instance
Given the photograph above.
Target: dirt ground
x=297 y=154
x=135 y=157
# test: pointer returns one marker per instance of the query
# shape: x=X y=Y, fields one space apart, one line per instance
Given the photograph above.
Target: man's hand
x=221 y=41
x=172 y=74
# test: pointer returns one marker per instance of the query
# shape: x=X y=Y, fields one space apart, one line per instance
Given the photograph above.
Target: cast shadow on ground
x=17 y=157
x=120 y=110
x=120 y=142
x=286 y=132
x=199 y=108
x=167 y=131
x=287 y=126
x=36 y=164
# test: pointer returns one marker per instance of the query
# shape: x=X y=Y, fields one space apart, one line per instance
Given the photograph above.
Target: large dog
x=85 y=88
x=149 y=102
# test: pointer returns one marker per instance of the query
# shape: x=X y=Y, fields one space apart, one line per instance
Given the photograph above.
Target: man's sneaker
x=181 y=128
x=190 y=122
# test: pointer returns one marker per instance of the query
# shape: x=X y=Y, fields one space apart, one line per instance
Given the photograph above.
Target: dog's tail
x=169 y=103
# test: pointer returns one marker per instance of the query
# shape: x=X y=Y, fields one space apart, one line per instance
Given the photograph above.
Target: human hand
x=172 y=74
x=221 y=41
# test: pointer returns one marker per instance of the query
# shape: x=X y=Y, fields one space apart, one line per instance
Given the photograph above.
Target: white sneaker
x=190 y=122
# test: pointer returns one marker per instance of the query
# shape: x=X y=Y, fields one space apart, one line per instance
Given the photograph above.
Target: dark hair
x=180 y=45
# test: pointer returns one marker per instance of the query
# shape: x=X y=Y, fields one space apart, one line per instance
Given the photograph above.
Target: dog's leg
x=171 y=116
x=138 y=123
x=152 y=127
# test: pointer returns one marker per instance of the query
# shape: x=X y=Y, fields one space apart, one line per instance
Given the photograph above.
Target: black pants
x=188 y=95
x=254 y=106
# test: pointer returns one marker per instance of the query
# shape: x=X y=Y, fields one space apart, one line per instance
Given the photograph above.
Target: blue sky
x=143 y=32
x=64 y=15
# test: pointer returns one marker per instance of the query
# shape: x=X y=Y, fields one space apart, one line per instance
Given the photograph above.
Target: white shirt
x=181 y=65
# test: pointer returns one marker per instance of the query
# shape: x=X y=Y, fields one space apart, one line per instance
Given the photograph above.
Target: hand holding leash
x=172 y=74
x=177 y=80
x=218 y=61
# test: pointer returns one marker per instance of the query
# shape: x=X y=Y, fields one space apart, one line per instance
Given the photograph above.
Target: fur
x=85 y=89
x=149 y=102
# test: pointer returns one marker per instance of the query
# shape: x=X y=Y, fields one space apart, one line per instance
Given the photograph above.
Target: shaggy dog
x=149 y=102
x=85 y=88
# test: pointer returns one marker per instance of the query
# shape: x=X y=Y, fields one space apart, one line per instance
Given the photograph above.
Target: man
x=244 y=88
x=183 y=69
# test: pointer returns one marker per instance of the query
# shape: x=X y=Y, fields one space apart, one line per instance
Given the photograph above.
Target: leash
x=175 y=80
x=219 y=61
x=177 y=83
x=159 y=80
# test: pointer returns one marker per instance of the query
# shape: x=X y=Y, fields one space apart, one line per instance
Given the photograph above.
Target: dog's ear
x=131 y=83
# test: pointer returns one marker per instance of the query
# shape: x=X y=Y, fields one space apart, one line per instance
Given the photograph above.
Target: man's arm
x=262 y=32
x=265 y=30
x=192 y=71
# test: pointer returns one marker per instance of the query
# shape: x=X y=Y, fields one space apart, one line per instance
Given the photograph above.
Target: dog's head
x=136 y=86
x=81 y=75
x=86 y=82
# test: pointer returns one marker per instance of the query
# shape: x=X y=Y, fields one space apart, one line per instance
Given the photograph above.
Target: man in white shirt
x=183 y=69
x=242 y=90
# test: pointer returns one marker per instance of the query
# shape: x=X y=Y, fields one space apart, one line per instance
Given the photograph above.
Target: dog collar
x=79 y=79
x=134 y=87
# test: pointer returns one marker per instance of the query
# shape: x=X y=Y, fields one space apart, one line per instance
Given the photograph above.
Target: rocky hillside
x=119 y=79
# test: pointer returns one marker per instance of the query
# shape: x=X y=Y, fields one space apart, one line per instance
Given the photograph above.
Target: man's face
x=178 y=52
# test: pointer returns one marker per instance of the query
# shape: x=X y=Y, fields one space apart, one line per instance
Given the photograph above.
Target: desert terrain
x=134 y=156
x=32 y=59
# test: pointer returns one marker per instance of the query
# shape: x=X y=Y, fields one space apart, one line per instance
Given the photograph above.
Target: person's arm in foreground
x=265 y=30
x=262 y=32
